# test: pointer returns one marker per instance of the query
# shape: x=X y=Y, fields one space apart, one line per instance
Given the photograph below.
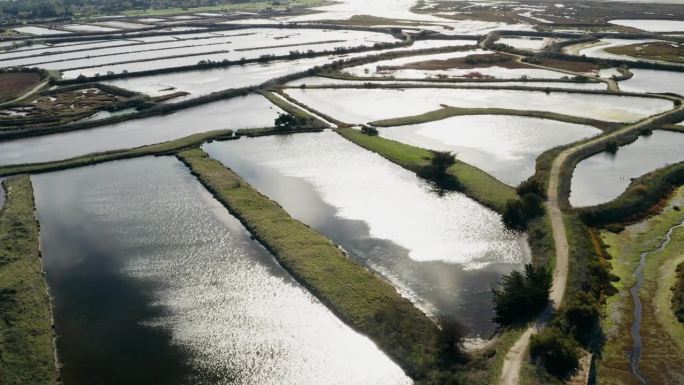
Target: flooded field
x=603 y=177
x=363 y=105
x=599 y=50
x=442 y=252
x=241 y=112
x=153 y=281
x=203 y=82
x=652 y=25
x=654 y=81
x=504 y=146
x=265 y=42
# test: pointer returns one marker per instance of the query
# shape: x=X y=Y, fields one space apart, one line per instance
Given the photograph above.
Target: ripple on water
x=221 y=298
x=443 y=252
x=504 y=146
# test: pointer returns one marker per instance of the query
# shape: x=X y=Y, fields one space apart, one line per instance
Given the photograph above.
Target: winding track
x=510 y=372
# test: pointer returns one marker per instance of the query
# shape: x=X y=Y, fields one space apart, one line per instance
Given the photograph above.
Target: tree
x=521 y=295
x=285 y=122
x=555 y=351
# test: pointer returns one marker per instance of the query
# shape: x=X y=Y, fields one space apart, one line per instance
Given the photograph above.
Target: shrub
x=514 y=215
x=583 y=314
x=451 y=334
x=368 y=130
x=521 y=295
x=531 y=185
x=555 y=351
x=285 y=122
x=612 y=147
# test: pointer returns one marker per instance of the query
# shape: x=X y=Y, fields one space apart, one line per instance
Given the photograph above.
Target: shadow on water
x=99 y=312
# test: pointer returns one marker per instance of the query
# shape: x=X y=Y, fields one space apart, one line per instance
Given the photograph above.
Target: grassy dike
x=359 y=297
x=301 y=115
x=27 y=351
x=478 y=185
x=447 y=112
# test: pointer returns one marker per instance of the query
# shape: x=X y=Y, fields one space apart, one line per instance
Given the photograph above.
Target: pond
x=359 y=105
x=265 y=42
x=241 y=112
x=40 y=31
x=652 y=25
x=504 y=146
x=153 y=281
x=654 y=81
x=444 y=253
x=603 y=177
x=203 y=82
x=374 y=69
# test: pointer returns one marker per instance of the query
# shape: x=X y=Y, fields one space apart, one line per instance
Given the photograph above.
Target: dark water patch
x=155 y=283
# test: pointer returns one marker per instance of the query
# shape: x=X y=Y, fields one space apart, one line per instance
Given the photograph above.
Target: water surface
x=442 y=252
x=504 y=146
x=241 y=112
x=603 y=177
x=653 y=25
x=155 y=283
x=364 y=105
x=654 y=81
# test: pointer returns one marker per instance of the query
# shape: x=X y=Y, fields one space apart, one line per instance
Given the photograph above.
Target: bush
x=368 y=130
x=531 y=185
x=521 y=295
x=436 y=171
x=514 y=215
x=583 y=314
x=612 y=147
x=451 y=334
x=555 y=351
x=285 y=122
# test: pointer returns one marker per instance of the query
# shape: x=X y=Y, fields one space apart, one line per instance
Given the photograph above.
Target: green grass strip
x=359 y=297
x=293 y=110
x=27 y=351
x=478 y=185
x=447 y=112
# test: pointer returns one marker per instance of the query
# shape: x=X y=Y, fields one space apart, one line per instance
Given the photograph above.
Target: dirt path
x=26 y=95
x=510 y=374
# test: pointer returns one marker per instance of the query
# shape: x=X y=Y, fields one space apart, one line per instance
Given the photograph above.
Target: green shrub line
x=345 y=76
x=678 y=294
x=489 y=87
x=27 y=349
x=359 y=297
x=638 y=200
x=476 y=184
x=448 y=111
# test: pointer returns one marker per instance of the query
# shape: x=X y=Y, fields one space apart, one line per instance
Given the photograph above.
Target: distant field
x=13 y=85
x=253 y=6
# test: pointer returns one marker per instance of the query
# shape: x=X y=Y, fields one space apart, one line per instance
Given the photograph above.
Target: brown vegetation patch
x=15 y=84
x=654 y=51
x=567 y=65
x=61 y=107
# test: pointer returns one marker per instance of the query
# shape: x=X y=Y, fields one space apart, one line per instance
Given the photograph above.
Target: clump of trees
x=521 y=295
x=612 y=147
x=285 y=122
x=518 y=212
x=436 y=171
